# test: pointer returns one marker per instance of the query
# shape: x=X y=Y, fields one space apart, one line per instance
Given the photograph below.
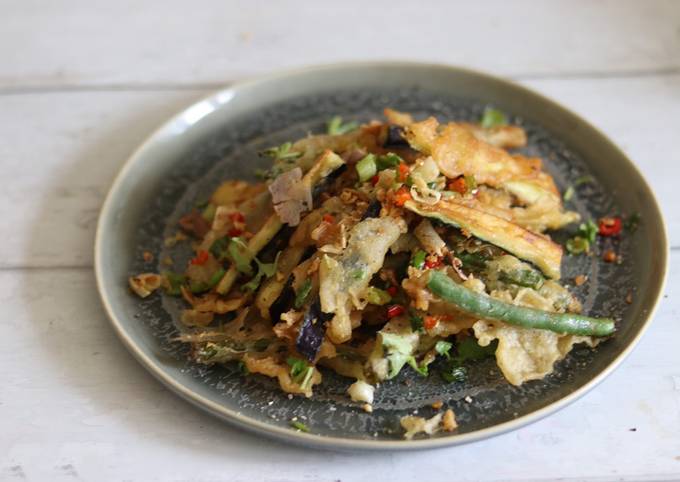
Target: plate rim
x=333 y=442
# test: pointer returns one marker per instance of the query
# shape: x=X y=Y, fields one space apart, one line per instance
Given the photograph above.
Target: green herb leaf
x=376 y=296
x=443 y=347
x=472 y=261
x=418 y=260
x=632 y=222
x=358 y=274
x=219 y=248
x=469 y=349
x=454 y=373
x=297 y=366
x=282 y=152
x=174 y=282
x=237 y=250
x=583 y=180
x=577 y=245
x=387 y=161
x=337 y=128
x=242 y=368
x=588 y=230
x=366 y=168
x=303 y=293
x=416 y=322
x=568 y=194
x=421 y=369
x=493 y=118
x=264 y=270
x=296 y=424
x=470 y=182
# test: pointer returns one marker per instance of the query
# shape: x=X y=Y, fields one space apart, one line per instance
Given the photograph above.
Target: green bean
x=492 y=309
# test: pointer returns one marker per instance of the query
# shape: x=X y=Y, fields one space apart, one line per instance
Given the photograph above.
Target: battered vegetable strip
x=326 y=164
x=343 y=281
x=522 y=243
x=492 y=309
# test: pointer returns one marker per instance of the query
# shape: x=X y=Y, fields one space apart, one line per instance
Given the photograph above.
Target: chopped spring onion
x=337 y=128
x=443 y=347
x=299 y=426
x=366 y=168
x=569 y=193
x=236 y=250
x=493 y=118
x=376 y=296
x=387 y=161
x=302 y=294
x=418 y=260
x=282 y=152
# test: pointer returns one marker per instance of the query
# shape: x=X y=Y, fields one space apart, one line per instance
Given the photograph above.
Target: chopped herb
x=454 y=373
x=472 y=261
x=493 y=118
x=237 y=249
x=585 y=237
x=569 y=193
x=416 y=322
x=358 y=274
x=632 y=222
x=209 y=212
x=583 y=180
x=282 y=152
x=366 y=168
x=303 y=293
x=469 y=349
x=420 y=369
x=198 y=286
x=337 y=128
x=376 y=296
x=418 y=260
x=431 y=185
x=219 y=248
x=300 y=371
x=174 y=283
x=387 y=161
x=443 y=347
x=577 y=245
x=242 y=368
x=264 y=270
x=216 y=277
x=296 y=424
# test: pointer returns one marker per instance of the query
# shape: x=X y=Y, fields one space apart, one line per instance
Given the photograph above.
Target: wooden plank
x=62 y=150
x=74 y=403
x=80 y=42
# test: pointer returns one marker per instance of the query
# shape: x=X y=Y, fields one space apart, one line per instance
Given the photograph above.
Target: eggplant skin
x=312 y=330
x=395 y=137
x=524 y=244
x=372 y=211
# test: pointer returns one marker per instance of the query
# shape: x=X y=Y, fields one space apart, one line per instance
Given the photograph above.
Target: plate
x=219 y=138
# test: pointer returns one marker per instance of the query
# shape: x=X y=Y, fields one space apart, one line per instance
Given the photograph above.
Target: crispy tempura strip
x=325 y=165
x=505 y=137
x=524 y=244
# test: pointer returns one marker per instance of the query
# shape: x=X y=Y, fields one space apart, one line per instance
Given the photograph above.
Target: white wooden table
x=84 y=82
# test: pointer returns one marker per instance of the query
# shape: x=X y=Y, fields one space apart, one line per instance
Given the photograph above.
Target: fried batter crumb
x=438 y=404
x=148 y=256
x=580 y=280
x=449 y=421
x=609 y=256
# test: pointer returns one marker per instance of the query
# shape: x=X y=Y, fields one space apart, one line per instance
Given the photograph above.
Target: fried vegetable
x=312 y=331
x=490 y=308
x=522 y=243
x=344 y=280
x=326 y=164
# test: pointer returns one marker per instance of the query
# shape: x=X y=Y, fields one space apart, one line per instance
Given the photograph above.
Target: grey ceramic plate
x=218 y=138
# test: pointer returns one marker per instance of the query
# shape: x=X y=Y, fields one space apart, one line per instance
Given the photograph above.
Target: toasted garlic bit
x=361 y=391
x=144 y=284
x=437 y=405
x=580 y=279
